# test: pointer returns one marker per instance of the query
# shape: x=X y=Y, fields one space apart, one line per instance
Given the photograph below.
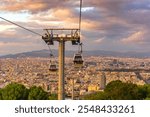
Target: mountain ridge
x=70 y=53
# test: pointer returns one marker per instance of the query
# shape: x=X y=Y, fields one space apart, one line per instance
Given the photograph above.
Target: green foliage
x=95 y=96
x=53 y=97
x=146 y=91
x=0 y=94
x=14 y=91
x=117 y=90
x=37 y=93
x=147 y=98
x=143 y=91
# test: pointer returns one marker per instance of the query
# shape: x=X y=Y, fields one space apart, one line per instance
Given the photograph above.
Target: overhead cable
x=20 y=26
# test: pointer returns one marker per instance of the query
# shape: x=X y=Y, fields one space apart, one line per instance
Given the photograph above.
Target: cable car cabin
x=78 y=60
x=53 y=68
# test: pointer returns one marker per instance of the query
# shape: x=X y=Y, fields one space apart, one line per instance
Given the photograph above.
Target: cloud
x=13 y=5
x=33 y=6
x=4 y=27
x=99 y=41
x=122 y=22
x=61 y=18
x=137 y=37
x=12 y=44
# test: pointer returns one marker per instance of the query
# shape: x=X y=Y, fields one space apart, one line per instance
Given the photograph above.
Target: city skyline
x=117 y=25
x=94 y=76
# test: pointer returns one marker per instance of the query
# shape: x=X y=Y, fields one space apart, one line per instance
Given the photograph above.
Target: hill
x=46 y=53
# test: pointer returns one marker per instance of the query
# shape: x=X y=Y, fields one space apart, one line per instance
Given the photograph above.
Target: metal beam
x=69 y=29
x=61 y=89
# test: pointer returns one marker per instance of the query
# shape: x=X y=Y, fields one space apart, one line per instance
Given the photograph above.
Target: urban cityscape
x=96 y=73
x=121 y=27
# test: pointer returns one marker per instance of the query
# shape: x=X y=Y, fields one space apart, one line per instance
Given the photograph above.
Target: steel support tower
x=61 y=36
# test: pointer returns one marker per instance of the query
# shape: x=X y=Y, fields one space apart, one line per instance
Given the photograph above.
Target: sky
x=112 y=25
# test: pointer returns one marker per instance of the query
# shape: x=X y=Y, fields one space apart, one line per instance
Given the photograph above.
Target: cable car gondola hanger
x=78 y=58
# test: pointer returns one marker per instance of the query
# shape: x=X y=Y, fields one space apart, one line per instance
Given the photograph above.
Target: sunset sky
x=114 y=25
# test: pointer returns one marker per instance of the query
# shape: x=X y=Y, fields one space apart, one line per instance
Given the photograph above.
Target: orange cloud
x=63 y=18
x=99 y=41
x=13 y=5
x=137 y=37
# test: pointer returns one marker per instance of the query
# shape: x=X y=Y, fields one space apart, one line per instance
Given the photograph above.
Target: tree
x=14 y=91
x=147 y=88
x=147 y=98
x=37 y=93
x=117 y=90
x=53 y=97
x=95 y=96
x=0 y=94
x=143 y=91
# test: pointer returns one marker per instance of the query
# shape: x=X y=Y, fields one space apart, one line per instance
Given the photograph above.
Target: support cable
x=51 y=53
x=80 y=17
x=21 y=26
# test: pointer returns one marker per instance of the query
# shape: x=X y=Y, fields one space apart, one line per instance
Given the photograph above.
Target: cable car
x=78 y=60
x=53 y=68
